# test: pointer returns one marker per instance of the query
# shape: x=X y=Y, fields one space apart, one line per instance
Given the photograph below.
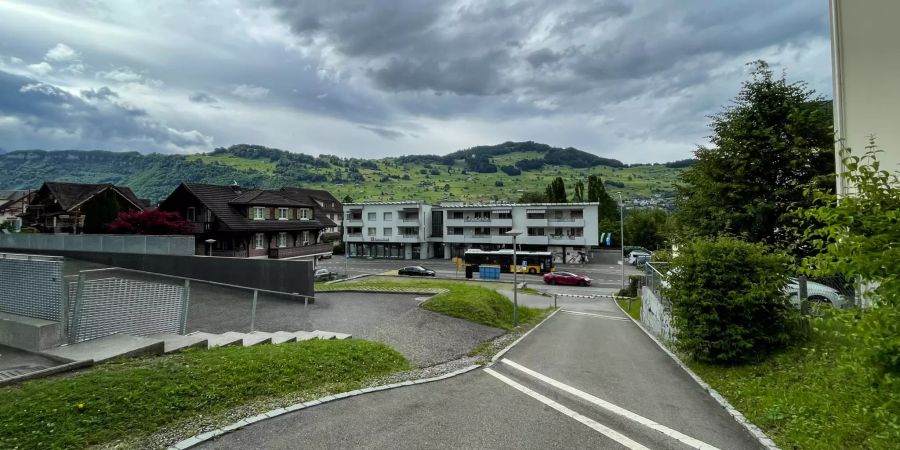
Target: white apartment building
x=395 y=230
x=414 y=230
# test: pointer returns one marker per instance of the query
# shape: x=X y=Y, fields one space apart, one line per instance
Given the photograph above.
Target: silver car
x=816 y=293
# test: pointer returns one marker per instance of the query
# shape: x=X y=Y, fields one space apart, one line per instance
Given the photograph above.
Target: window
x=502 y=230
x=388 y=217
x=259 y=213
x=191 y=214
x=456 y=215
x=373 y=216
x=535 y=231
x=260 y=240
x=533 y=214
x=209 y=216
x=388 y=231
x=305 y=213
x=457 y=231
x=282 y=239
x=282 y=214
x=372 y=231
x=504 y=215
x=577 y=214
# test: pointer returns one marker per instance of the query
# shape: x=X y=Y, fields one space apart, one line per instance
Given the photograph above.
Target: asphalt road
x=587 y=378
x=604 y=275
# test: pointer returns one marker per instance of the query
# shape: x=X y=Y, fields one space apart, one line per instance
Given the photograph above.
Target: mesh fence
x=31 y=286
x=116 y=305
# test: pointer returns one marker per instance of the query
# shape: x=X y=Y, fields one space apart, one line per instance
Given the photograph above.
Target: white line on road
x=599 y=316
x=681 y=437
x=596 y=426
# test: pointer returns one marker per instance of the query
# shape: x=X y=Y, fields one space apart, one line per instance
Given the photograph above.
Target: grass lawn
x=635 y=310
x=812 y=396
x=472 y=301
x=132 y=398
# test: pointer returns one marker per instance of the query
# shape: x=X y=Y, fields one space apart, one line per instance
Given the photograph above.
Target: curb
x=203 y=437
x=764 y=441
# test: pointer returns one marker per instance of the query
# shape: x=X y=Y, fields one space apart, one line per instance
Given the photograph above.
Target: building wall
x=395 y=224
x=866 y=66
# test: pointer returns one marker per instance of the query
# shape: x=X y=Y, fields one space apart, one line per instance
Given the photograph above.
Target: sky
x=633 y=80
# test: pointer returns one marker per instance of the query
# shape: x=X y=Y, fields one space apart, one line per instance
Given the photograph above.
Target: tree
x=556 y=191
x=772 y=143
x=597 y=193
x=578 y=196
x=152 y=221
x=728 y=302
x=347 y=199
x=858 y=238
x=646 y=227
x=532 y=197
x=100 y=211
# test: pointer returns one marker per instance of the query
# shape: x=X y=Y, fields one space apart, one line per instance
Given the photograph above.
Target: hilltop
x=484 y=173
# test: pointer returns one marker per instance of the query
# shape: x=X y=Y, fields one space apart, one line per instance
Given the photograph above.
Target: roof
x=509 y=205
x=410 y=202
x=12 y=195
x=266 y=198
x=220 y=200
x=323 y=197
x=4 y=205
x=71 y=195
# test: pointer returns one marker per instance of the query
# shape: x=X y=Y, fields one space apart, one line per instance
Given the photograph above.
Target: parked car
x=566 y=278
x=416 y=271
x=815 y=292
x=638 y=255
x=630 y=248
x=323 y=274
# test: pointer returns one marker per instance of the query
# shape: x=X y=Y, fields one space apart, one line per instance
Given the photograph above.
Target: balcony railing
x=289 y=252
x=477 y=219
x=562 y=219
x=230 y=253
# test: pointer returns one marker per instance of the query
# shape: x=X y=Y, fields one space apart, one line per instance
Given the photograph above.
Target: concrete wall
x=106 y=243
x=656 y=315
x=866 y=67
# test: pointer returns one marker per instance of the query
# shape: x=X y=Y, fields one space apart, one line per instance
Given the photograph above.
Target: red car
x=566 y=278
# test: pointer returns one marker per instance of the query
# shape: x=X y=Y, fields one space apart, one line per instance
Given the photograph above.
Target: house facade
x=327 y=206
x=414 y=230
x=77 y=208
x=14 y=204
x=240 y=222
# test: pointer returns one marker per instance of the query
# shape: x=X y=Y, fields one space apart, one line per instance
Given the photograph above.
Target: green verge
x=133 y=398
x=635 y=310
x=472 y=301
x=812 y=396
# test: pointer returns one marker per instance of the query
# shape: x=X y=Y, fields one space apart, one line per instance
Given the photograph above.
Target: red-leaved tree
x=152 y=221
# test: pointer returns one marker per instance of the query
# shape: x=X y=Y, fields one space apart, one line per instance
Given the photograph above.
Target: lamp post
x=515 y=269
x=622 y=234
x=210 y=242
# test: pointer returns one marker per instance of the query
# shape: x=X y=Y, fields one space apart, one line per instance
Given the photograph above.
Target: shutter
x=250 y=212
x=269 y=213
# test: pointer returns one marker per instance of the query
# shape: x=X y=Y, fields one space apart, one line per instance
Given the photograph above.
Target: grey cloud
x=94 y=116
x=391 y=135
x=202 y=97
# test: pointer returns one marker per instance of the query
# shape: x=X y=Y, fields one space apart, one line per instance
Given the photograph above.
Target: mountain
x=485 y=173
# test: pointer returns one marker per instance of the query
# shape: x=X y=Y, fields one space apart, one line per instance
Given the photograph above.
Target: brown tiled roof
x=220 y=200
x=70 y=195
x=311 y=195
x=264 y=197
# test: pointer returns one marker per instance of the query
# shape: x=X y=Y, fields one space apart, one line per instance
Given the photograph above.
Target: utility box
x=489 y=272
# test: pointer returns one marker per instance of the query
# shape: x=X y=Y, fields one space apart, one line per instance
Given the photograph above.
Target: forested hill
x=485 y=173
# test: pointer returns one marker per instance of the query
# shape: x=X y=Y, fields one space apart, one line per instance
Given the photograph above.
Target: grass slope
x=471 y=301
x=812 y=397
x=136 y=397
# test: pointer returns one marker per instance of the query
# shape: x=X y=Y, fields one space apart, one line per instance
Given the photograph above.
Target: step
x=108 y=347
x=218 y=340
x=280 y=337
x=304 y=335
x=323 y=334
x=342 y=335
x=256 y=338
x=175 y=342
x=28 y=333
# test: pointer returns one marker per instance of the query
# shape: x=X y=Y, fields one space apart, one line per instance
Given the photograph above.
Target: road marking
x=599 y=316
x=681 y=437
x=596 y=426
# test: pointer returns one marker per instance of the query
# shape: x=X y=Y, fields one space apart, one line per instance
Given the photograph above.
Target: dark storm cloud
x=94 y=116
x=202 y=97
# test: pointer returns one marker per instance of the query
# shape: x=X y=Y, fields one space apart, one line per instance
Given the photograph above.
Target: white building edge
x=415 y=230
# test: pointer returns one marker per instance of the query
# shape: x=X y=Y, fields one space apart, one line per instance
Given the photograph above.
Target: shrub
x=727 y=301
x=631 y=290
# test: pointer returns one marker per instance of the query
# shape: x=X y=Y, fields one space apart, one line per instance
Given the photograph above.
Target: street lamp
x=622 y=234
x=515 y=269
x=210 y=242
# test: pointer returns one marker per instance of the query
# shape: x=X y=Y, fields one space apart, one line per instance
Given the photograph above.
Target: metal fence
x=110 y=305
x=32 y=286
x=104 y=243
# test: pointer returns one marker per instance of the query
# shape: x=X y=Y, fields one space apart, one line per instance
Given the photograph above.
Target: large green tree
x=768 y=146
x=646 y=227
x=556 y=191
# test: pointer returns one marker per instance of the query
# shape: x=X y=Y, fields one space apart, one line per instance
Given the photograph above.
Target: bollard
x=253 y=311
x=185 y=300
x=554 y=300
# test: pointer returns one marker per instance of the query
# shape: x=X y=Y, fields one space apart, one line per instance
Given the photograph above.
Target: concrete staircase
x=117 y=345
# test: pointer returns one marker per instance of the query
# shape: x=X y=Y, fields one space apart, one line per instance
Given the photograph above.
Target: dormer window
x=282 y=214
x=259 y=213
x=305 y=213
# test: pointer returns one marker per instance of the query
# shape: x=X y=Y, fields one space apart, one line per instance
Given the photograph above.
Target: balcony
x=536 y=222
x=412 y=238
x=477 y=219
x=571 y=222
x=203 y=227
x=564 y=239
x=353 y=237
x=353 y=221
x=409 y=220
x=307 y=250
x=532 y=240
x=500 y=239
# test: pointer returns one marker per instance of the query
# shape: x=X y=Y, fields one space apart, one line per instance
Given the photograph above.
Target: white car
x=638 y=255
x=322 y=274
x=816 y=293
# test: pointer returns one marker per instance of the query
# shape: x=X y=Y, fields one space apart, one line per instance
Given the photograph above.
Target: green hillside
x=487 y=173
